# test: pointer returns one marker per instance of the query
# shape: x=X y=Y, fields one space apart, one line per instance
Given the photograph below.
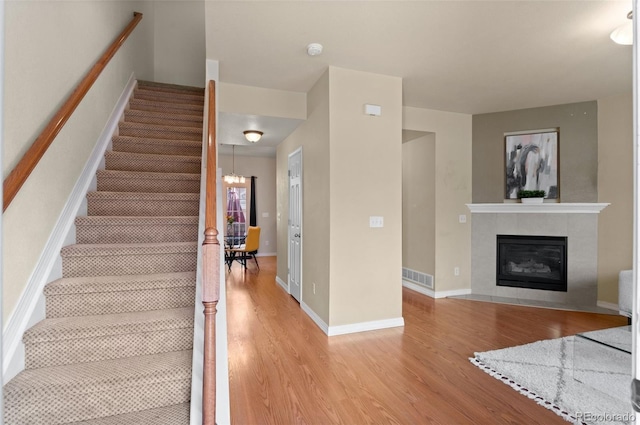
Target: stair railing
x=211 y=269
x=23 y=169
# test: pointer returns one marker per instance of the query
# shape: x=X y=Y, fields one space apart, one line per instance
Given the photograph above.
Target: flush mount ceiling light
x=253 y=135
x=233 y=177
x=314 y=49
x=624 y=33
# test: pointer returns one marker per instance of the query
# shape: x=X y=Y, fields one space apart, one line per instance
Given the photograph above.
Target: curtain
x=252 y=208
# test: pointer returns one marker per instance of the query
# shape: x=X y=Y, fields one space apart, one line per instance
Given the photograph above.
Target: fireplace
x=536 y=262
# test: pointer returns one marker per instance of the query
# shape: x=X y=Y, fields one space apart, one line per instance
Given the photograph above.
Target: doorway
x=294 y=254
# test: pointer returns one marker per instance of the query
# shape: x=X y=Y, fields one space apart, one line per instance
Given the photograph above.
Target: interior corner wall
x=180 y=46
x=615 y=186
x=49 y=46
x=578 y=149
x=312 y=136
x=418 y=206
x=264 y=168
x=453 y=171
x=366 y=180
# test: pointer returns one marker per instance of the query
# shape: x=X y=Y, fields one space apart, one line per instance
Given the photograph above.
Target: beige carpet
x=115 y=347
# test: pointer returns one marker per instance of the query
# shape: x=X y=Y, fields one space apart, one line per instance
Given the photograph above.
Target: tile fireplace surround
x=577 y=221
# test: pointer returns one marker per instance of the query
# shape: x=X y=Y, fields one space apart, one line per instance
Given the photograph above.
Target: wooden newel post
x=210 y=297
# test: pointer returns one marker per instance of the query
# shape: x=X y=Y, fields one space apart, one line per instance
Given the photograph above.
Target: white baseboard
x=266 y=254
x=419 y=288
x=453 y=293
x=317 y=319
x=434 y=294
x=283 y=284
x=30 y=307
x=607 y=305
x=365 y=326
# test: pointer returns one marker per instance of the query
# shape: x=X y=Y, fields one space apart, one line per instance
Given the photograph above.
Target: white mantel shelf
x=545 y=208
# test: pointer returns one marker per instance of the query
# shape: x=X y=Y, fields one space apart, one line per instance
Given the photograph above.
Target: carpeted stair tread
x=172 y=97
x=145 y=181
x=157 y=146
x=177 y=414
x=92 y=390
x=126 y=259
x=91 y=295
x=160 y=131
x=64 y=328
x=143 y=204
x=95 y=250
x=163 y=118
x=100 y=284
x=130 y=161
x=155 y=85
x=68 y=340
x=136 y=229
x=178 y=108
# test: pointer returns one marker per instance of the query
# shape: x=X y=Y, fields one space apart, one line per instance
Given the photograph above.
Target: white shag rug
x=581 y=381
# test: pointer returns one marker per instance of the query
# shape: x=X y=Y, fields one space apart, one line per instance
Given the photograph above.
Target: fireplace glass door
x=536 y=262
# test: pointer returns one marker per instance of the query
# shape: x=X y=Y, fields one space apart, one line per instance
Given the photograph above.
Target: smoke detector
x=314 y=49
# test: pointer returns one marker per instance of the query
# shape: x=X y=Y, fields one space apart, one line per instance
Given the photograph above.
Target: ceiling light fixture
x=624 y=33
x=314 y=49
x=253 y=135
x=233 y=178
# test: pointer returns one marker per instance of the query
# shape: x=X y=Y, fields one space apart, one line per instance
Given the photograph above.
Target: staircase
x=115 y=347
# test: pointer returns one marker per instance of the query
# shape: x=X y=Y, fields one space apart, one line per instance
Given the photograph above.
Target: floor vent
x=420 y=278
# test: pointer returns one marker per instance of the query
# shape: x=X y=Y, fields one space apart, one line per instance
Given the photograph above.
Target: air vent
x=416 y=277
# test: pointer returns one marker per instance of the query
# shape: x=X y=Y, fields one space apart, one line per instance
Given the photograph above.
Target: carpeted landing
x=115 y=347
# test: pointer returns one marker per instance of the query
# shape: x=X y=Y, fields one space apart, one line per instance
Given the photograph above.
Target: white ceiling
x=461 y=56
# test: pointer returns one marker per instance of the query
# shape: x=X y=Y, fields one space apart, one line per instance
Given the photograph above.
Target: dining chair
x=248 y=250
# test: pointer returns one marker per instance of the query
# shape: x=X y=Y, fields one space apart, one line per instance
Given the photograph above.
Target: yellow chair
x=248 y=250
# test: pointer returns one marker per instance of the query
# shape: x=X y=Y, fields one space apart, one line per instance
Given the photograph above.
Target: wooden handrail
x=23 y=169
x=211 y=269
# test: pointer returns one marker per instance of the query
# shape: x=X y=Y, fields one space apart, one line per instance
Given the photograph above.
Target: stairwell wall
x=179 y=49
x=49 y=48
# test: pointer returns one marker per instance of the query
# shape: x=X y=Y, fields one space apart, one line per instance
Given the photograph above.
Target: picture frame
x=531 y=162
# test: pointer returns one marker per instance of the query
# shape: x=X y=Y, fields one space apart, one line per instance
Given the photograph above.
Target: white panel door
x=295 y=224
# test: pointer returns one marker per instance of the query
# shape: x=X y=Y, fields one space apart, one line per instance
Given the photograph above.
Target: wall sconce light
x=253 y=135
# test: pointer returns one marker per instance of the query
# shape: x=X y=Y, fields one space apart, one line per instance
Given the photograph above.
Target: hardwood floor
x=284 y=370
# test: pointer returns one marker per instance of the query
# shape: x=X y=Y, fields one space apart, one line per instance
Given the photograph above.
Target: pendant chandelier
x=233 y=177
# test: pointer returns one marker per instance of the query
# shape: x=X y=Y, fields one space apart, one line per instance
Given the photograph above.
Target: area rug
x=582 y=382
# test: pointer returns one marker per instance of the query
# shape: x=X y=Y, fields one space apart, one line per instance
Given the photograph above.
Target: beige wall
x=453 y=191
x=265 y=171
x=179 y=56
x=615 y=186
x=366 y=180
x=418 y=206
x=578 y=149
x=235 y=98
x=313 y=136
x=49 y=46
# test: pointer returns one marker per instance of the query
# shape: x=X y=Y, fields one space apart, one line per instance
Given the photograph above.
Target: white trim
x=608 y=305
x=549 y=208
x=435 y=294
x=282 y=283
x=365 y=326
x=266 y=254
x=453 y=293
x=419 y=288
x=29 y=305
x=317 y=319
